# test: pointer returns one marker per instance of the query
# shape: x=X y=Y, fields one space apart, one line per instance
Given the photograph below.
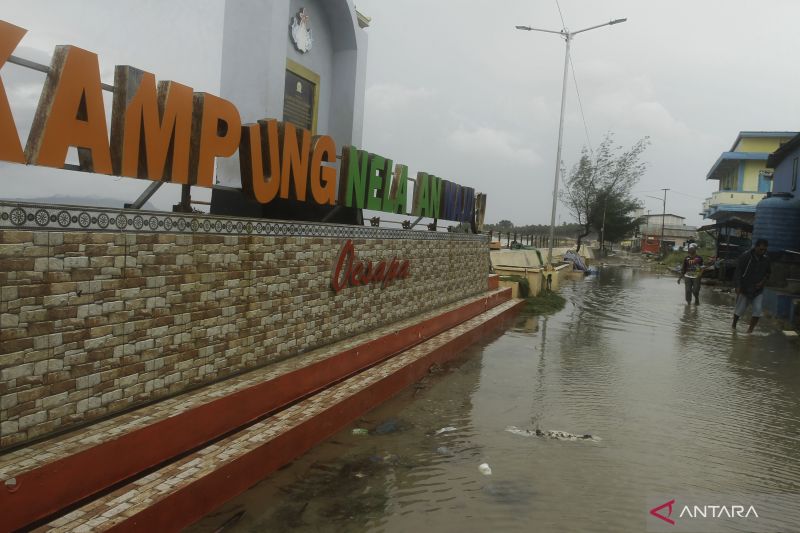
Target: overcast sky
x=453 y=89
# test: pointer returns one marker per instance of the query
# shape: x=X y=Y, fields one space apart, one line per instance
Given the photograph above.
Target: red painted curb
x=201 y=497
x=44 y=491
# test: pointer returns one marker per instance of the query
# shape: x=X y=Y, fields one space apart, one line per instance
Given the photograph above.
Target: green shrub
x=546 y=303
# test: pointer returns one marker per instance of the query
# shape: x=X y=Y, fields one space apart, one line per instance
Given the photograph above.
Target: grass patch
x=546 y=303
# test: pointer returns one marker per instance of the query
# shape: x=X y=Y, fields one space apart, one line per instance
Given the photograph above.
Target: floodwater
x=676 y=404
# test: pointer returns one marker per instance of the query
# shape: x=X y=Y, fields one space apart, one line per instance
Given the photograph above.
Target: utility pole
x=663 y=213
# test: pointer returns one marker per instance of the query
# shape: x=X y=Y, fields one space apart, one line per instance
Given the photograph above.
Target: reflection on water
x=679 y=402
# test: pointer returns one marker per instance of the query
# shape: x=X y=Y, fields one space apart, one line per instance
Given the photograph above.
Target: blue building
x=742 y=174
x=784 y=161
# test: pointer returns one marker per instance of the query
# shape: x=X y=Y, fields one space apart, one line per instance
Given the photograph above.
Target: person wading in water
x=752 y=272
x=691 y=270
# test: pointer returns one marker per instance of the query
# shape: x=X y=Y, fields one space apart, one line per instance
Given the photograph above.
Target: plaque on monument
x=299 y=102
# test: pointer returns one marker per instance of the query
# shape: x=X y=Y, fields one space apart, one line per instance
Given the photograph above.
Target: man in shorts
x=752 y=272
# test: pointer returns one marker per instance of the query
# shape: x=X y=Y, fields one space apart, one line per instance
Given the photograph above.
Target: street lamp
x=568 y=35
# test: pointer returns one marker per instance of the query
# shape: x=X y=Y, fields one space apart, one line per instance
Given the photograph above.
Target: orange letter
x=294 y=166
x=323 y=177
x=150 y=130
x=10 y=147
x=256 y=155
x=71 y=113
x=216 y=130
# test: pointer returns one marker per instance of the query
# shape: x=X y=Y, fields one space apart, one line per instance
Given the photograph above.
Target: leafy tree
x=598 y=188
x=504 y=225
x=618 y=222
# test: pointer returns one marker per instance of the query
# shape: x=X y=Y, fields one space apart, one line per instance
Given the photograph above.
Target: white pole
x=568 y=37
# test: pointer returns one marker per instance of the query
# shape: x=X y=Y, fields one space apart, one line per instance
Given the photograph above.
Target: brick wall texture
x=93 y=323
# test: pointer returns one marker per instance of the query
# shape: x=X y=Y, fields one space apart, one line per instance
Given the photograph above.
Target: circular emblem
x=64 y=219
x=42 y=217
x=18 y=216
x=300 y=30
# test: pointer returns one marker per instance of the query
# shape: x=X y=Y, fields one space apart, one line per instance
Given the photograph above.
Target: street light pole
x=568 y=36
x=663 y=213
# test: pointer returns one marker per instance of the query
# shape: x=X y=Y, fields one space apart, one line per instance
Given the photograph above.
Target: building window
x=794 y=174
x=727 y=182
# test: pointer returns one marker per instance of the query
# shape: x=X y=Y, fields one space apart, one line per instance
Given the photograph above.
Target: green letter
x=421 y=195
x=400 y=189
x=375 y=188
x=435 y=197
x=353 y=177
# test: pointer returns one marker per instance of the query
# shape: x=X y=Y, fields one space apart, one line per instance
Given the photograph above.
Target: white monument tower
x=300 y=61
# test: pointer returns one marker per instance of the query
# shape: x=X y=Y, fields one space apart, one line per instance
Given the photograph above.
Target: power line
x=687 y=195
x=560 y=14
x=580 y=106
x=577 y=90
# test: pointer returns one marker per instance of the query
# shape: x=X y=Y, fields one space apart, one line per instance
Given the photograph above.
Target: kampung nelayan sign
x=164 y=131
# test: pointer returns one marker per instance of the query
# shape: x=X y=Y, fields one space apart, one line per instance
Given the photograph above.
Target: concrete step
x=44 y=478
x=182 y=492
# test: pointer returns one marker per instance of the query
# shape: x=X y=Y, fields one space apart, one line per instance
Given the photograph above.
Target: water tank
x=778 y=221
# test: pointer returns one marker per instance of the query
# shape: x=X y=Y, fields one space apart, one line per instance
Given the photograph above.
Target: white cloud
x=24 y=95
x=396 y=98
x=489 y=143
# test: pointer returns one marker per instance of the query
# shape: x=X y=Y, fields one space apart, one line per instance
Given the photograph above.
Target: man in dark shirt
x=752 y=272
x=691 y=271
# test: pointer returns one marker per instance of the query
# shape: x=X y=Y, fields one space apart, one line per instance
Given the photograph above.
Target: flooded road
x=676 y=402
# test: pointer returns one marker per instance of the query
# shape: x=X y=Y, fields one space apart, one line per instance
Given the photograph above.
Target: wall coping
x=51 y=217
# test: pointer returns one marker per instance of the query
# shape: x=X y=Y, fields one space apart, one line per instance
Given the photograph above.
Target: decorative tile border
x=44 y=217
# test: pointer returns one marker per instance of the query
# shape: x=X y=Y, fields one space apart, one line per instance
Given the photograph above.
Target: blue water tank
x=778 y=221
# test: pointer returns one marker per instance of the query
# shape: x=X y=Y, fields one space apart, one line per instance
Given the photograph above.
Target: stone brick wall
x=95 y=322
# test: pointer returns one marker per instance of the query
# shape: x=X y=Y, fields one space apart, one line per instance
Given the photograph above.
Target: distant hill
x=87 y=201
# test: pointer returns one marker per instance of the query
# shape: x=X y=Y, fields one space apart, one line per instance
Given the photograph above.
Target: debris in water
x=443 y=450
x=390 y=426
x=790 y=333
x=555 y=434
x=523 y=432
x=447 y=429
x=485 y=469
x=434 y=369
x=360 y=431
